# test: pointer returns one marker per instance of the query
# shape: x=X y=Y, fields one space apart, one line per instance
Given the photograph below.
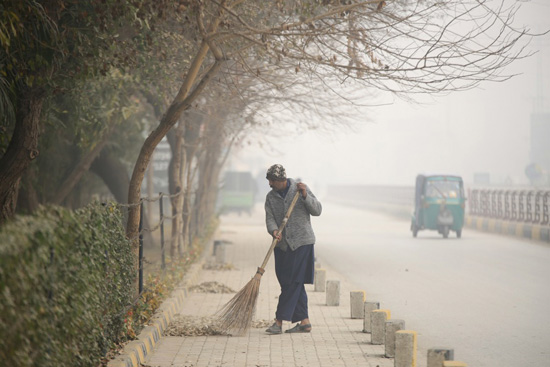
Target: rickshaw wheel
x=414 y=230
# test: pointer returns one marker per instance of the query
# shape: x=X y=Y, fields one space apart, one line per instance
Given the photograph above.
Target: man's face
x=277 y=185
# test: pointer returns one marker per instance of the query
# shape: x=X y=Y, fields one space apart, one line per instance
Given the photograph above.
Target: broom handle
x=281 y=227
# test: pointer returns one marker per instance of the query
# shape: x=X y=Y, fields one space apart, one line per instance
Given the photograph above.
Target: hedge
x=66 y=282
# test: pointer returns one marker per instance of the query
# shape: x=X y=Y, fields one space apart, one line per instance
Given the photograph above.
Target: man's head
x=276 y=176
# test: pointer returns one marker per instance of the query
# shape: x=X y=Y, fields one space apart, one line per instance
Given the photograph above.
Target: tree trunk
x=183 y=247
x=192 y=145
x=210 y=166
x=208 y=181
x=175 y=137
x=22 y=150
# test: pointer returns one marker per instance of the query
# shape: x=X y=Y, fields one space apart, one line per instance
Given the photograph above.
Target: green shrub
x=66 y=282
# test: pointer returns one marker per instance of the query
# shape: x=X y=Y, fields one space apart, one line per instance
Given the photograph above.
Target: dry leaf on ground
x=215 y=266
x=211 y=287
x=203 y=326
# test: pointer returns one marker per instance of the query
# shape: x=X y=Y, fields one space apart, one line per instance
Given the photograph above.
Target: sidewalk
x=336 y=339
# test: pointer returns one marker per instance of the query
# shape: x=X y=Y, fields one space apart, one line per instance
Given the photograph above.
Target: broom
x=238 y=312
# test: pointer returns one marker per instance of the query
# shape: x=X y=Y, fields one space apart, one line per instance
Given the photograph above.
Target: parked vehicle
x=237 y=193
x=439 y=204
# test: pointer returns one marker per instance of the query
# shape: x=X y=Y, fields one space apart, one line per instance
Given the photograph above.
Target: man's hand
x=277 y=235
x=302 y=188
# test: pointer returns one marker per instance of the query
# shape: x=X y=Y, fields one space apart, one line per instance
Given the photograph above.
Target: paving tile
x=336 y=339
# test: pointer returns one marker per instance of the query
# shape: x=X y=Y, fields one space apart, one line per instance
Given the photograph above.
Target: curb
x=135 y=352
x=509 y=228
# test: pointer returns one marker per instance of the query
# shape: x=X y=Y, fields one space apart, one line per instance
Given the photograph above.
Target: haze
x=483 y=130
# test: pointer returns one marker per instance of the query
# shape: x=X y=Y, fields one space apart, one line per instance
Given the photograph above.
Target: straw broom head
x=238 y=312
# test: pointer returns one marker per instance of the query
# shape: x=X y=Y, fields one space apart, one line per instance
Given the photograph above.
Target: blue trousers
x=293 y=270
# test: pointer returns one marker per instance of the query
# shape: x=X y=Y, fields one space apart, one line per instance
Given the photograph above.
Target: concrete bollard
x=333 y=293
x=357 y=300
x=215 y=247
x=219 y=252
x=378 y=323
x=392 y=326
x=319 y=280
x=436 y=356
x=369 y=307
x=454 y=364
x=405 y=348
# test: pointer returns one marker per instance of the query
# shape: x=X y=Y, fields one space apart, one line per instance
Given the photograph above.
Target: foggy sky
x=482 y=130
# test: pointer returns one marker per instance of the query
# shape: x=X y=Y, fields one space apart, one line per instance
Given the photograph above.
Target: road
x=486 y=296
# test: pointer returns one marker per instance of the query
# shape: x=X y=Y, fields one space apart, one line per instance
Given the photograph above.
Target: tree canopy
x=80 y=80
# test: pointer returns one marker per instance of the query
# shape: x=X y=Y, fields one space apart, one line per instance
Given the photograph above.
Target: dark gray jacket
x=298 y=231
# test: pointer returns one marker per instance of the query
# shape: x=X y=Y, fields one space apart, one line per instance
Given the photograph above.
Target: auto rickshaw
x=439 y=204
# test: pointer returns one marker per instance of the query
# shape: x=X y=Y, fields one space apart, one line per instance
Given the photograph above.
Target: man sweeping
x=294 y=256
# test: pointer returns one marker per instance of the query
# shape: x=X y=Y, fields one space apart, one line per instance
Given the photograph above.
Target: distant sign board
x=159 y=164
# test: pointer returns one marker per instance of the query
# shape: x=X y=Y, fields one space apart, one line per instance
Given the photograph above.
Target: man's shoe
x=274 y=329
x=300 y=329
